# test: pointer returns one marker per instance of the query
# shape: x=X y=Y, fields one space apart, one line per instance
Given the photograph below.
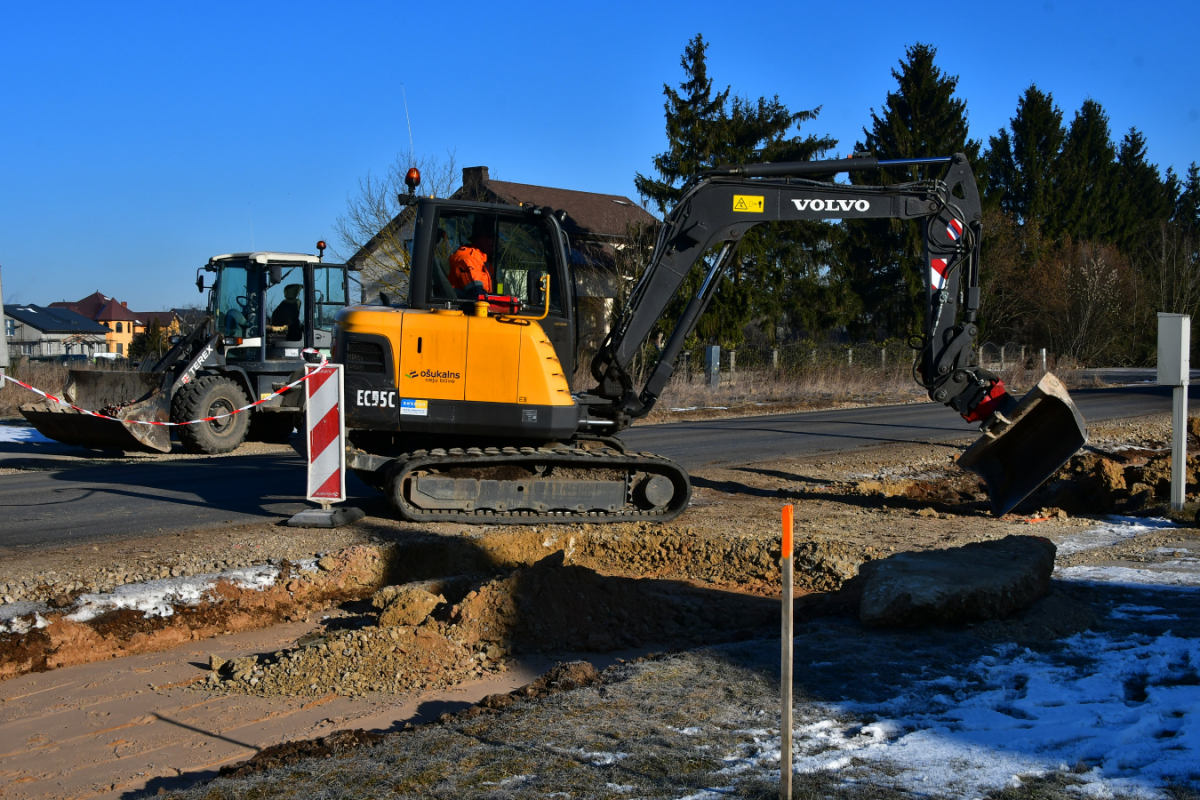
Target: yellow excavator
x=459 y=405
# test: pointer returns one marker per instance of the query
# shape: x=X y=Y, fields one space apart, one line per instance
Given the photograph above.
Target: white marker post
x=785 y=662
x=1174 y=368
x=325 y=437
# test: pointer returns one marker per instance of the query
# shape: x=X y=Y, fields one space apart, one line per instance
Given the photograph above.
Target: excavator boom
x=717 y=210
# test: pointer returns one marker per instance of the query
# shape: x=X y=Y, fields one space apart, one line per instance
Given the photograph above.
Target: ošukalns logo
x=434 y=375
x=817 y=204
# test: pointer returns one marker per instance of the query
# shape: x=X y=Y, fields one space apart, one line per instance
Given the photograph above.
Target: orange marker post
x=785 y=662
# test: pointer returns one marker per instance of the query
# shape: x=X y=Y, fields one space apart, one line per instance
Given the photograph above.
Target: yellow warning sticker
x=748 y=202
x=265 y=395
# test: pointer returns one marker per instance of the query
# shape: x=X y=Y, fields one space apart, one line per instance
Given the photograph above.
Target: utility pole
x=3 y=334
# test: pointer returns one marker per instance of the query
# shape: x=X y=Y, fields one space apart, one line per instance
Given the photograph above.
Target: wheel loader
x=264 y=310
x=459 y=406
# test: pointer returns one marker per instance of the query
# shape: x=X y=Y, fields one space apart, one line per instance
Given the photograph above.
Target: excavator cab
x=521 y=245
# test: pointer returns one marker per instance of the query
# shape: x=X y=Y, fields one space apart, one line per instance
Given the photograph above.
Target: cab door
x=525 y=252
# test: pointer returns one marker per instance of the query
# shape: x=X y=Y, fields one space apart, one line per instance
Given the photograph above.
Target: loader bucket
x=1042 y=433
x=125 y=395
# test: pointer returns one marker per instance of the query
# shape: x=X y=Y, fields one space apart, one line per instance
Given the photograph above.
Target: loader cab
x=520 y=245
x=271 y=306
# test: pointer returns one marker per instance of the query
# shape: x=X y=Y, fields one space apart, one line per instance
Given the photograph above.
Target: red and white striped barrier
x=325 y=426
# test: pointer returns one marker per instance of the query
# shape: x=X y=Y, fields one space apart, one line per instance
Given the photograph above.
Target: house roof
x=116 y=312
x=54 y=319
x=164 y=318
x=588 y=213
x=99 y=306
x=89 y=306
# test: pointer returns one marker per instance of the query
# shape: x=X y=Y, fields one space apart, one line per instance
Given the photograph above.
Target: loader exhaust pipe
x=1019 y=451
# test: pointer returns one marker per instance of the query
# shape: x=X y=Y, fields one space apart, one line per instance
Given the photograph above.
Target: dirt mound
x=551 y=607
x=547 y=608
x=1126 y=481
x=395 y=659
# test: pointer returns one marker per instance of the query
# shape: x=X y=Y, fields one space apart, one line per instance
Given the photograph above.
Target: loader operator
x=287 y=313
x=470 y=273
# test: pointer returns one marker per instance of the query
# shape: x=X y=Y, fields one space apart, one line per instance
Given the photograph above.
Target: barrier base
x=326 y=517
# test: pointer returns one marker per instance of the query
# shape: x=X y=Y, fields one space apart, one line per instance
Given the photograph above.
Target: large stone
x=410 y=606
x=975 y=582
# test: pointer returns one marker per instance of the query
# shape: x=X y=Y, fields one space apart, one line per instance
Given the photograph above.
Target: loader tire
x=208 y=397
x=271 y=426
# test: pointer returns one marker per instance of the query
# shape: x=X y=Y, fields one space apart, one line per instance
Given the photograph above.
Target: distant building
x=43 y=332
x=189 y=318
x=596 y=225
x=120 y=322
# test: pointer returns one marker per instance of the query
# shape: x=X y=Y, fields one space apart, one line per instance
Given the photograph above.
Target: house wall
x=29 y=342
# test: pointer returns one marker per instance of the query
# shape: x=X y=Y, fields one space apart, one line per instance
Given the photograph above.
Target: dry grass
x=47 y=376
x=766 y=391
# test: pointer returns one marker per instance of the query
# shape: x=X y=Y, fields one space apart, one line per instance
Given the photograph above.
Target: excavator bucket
x=1019 y=453
x=124 y=395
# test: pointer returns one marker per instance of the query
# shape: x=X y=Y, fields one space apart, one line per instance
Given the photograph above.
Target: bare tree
x=375 y=227
x=1173 y=273
x=1080 y=298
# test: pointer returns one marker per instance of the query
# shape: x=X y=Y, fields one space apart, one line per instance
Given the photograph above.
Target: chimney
x=473 y=182
x=126 y=305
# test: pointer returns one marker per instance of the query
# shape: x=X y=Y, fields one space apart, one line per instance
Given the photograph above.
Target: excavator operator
x=470 y=271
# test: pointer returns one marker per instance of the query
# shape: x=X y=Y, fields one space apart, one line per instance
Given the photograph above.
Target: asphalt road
x=56 y=506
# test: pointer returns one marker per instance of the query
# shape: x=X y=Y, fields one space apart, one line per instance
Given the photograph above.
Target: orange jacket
x=469 y=265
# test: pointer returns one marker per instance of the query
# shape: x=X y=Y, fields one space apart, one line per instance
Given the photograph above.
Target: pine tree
x=1144 y=200
x=1021 y=169
x=707 y=129
x=922 y=118
x=1086 y=178
x=1187 y=204
x=696 y=120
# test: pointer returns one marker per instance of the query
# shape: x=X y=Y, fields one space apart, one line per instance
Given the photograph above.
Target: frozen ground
x=1113 y=711
x=1117 y=708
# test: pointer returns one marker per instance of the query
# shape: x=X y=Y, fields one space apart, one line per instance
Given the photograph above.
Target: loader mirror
x=276 y=274
x=200 y=283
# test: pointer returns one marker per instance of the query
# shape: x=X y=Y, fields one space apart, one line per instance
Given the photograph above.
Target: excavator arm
x=718 y=208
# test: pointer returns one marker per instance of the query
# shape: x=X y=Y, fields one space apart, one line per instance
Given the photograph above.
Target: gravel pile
x=351 y=663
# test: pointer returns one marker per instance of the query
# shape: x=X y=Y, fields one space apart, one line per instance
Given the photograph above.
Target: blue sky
x=136 y=139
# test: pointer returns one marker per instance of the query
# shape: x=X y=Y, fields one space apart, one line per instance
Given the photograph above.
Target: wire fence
x=800 y=358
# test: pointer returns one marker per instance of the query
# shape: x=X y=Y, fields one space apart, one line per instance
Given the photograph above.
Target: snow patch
x=157 y=598
x=1121 y=711
x=1117 y=529
x=21 y=434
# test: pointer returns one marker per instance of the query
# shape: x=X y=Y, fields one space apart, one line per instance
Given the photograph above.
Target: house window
x=120 y=345
x=119 y=328
x=10 y=327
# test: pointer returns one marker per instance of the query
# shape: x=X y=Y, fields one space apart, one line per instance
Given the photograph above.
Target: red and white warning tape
x=97 y=414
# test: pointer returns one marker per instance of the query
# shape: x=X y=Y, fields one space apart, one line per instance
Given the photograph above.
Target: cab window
x=285 y=306
x=457 y=230
x=523 y=256
x=329 y=295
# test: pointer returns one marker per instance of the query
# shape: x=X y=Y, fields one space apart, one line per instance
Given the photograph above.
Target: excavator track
x=518 y=486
